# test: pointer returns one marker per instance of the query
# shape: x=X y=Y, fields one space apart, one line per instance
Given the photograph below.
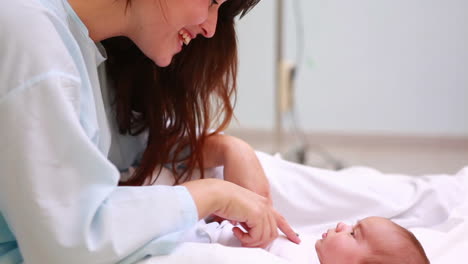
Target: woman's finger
x=238 y=233
x=272 y=232
x=270 y=229
x=268 y=234
x=252 y=235
x=286 y=228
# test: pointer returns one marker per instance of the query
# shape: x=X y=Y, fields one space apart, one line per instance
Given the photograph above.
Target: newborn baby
x=371 y=240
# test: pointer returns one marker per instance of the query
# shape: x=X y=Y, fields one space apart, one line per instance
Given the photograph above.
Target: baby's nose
x=340 y=227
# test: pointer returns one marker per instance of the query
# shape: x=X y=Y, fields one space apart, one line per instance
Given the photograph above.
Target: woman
x=59 y=196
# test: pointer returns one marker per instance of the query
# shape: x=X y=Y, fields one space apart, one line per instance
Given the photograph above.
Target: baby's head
x=373 y=240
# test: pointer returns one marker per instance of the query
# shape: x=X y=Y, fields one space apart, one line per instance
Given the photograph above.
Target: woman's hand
x=236 y=203
x=242 y=167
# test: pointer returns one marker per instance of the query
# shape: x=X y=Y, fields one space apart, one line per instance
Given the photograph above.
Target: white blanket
x=433 y=207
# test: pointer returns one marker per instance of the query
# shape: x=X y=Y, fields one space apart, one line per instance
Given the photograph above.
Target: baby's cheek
x=342 y=249
x=326 y=251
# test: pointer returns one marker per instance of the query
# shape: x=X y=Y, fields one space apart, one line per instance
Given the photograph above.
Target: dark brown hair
x=178 y=104
x=407 y=251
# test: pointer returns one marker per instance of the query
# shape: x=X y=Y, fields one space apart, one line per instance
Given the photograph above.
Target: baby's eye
x=352 y=233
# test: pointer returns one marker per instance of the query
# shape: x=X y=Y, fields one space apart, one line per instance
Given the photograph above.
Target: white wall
x=370 y=66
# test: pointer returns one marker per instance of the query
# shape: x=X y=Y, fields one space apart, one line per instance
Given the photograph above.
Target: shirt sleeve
x=59 y=193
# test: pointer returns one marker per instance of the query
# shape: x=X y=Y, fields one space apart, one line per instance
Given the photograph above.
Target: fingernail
x=298 y=239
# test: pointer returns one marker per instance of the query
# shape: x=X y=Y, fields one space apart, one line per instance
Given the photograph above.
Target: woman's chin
x=163 y=62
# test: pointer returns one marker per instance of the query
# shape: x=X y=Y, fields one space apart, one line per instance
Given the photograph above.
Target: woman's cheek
x=197 y=15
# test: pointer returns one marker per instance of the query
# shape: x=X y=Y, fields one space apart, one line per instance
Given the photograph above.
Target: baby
x=374 y=240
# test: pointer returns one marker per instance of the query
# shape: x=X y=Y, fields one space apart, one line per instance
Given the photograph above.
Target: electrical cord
x=301 y=153
x=300 y=40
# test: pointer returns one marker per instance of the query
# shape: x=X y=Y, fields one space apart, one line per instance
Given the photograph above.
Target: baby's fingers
x=286 y=228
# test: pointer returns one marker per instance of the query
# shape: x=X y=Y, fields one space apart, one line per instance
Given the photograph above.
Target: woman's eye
x=352 y=233
x=214 y=2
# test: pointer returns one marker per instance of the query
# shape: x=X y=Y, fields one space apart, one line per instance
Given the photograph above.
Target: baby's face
x=350 y=244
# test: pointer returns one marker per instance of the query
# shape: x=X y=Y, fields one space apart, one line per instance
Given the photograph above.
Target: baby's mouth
x=324 y=235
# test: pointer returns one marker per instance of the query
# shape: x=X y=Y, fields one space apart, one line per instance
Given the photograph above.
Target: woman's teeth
x=185 y=36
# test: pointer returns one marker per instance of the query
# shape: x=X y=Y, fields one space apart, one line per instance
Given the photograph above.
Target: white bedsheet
x=433 y=207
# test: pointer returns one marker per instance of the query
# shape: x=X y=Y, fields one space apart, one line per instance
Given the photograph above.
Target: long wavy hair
x=179 y=104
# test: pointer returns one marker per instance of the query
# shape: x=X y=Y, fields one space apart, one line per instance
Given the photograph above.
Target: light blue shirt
x=59 y=196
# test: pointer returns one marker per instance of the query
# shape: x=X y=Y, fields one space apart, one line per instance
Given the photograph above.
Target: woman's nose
x=209 y=26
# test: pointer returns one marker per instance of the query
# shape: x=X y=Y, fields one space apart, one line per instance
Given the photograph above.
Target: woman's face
x=160 y=28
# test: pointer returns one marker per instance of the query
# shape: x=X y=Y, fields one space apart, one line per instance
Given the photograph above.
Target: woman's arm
x=242 y=169
x=59 y=193
x=241 y=165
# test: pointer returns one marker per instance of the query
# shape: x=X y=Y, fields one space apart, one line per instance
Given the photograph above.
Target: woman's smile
x=186 y=36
